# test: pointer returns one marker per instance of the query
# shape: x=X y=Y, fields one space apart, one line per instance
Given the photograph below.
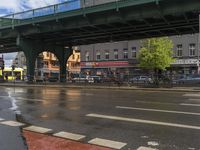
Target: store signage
x=185 y=62
x=104 y=64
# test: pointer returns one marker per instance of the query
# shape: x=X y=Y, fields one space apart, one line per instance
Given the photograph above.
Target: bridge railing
x=21 y=17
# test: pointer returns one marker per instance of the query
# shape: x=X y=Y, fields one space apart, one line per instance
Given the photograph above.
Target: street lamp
x=198 y=52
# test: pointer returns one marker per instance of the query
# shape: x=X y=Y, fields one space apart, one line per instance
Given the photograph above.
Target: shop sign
x=104 y=64
x=185 y=62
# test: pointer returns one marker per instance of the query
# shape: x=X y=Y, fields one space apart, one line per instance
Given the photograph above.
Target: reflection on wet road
x=68 y=109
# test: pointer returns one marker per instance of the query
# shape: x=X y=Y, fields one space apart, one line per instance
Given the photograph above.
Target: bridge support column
x=63 y=54
x=30 y=50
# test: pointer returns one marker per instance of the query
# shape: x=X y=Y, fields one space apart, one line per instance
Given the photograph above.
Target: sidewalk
x=94 y=86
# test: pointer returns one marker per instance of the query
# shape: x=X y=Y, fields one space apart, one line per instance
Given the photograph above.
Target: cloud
x=13 y=6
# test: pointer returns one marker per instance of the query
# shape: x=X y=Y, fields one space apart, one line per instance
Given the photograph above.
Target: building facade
x=121 y=58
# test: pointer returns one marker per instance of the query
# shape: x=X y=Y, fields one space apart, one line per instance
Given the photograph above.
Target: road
x=137 y=119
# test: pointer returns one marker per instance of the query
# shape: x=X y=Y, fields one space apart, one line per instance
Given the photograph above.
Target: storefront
x=185 y=66
x=120 y=69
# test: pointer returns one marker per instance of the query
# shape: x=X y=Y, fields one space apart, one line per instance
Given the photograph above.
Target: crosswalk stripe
x=12 y=123
x=107 y=143
x=68 y=135
x=143 y=121
x=158 y=110
x=146 y=148
x=38 y=129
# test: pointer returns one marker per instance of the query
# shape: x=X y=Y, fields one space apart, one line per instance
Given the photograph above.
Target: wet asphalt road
x=66 y=110
x=10 y=138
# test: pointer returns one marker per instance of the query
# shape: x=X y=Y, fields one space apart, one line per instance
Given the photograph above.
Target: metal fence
x=30 y=15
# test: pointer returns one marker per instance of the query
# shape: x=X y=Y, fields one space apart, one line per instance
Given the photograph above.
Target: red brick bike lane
x=37 y=141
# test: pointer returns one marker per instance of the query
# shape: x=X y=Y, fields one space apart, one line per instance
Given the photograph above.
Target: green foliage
x=156 y=53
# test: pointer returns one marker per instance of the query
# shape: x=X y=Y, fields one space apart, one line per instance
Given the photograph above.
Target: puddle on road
x=14 y=105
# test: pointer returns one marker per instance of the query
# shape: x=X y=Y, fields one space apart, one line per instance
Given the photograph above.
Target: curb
x=181 y=89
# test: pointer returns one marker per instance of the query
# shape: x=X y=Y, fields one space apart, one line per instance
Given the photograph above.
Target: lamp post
x=198 y=52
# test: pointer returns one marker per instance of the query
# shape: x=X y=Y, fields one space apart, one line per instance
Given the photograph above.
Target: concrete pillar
x=63 y=53
x=30 y=50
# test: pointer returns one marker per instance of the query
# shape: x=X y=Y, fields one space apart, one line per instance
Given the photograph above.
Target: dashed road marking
x=68 y=135
x=158 y=103
x=12 y=123
x=146 y=148
x=192 y=95
x=186 y=104
x=158 y=110
x=143 y=121
x=1 y=119
x=107 y=143
x=38 y=129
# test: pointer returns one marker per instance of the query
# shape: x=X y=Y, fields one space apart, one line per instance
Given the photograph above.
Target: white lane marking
x=1 y=119
x=160 y=103
x=143 y=121
x=158 y=110
x=151 y=102
x=12 y=123
x=29 y=99
x=192 y=95
x=37 y=129
x=107 y=143
x=191 y=148
x=194 y=99
x=186 y=104
x=68 y=135
x=146 y=148
x=152 y=143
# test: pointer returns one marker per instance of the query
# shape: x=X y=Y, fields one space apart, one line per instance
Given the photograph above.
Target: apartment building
x=122 y=57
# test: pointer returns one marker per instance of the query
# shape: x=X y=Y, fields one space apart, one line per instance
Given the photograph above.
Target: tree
x=156 y=54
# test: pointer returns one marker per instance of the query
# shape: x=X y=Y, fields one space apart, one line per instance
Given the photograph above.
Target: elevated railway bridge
x=57 y=28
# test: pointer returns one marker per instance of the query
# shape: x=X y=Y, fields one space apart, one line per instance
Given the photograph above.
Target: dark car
x=53 y=79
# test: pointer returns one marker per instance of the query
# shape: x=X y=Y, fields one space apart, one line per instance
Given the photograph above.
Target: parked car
x=53 y=79
x=189 y=80
x=94 y=79
x=140 y=79
x=80 y=79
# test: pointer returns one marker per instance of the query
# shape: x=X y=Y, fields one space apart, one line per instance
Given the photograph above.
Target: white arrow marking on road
x=107 y=143
x=143 y=121
x=158 y=110
x=146 y=148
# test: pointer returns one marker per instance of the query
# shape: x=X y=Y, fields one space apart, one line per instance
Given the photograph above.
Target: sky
x=13 y=6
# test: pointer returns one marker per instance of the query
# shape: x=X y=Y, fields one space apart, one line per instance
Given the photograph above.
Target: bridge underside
x=105 y=23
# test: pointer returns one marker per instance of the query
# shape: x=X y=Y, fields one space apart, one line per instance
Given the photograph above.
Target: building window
x=87 y=56
x=134 y=52
x=47 y=54
x=125 y=53
x=98 y=56
x=107 y=55
x=192 y=49
x=179 y=50
x=115 y=54
x=73 y=56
